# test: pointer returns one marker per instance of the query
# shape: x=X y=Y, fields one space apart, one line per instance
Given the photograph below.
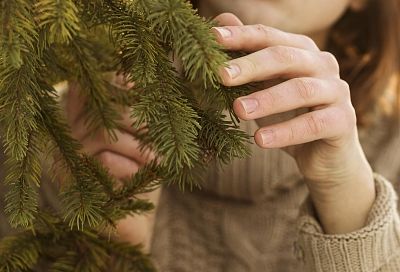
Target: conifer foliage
x=179 y=117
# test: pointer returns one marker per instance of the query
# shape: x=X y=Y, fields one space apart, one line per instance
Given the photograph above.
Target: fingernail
x=233 y=70
x=267 y=137
x=249 y=104
x=130 y=85
x=224 y=32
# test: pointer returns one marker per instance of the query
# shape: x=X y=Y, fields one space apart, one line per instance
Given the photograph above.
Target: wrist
x=343 y=201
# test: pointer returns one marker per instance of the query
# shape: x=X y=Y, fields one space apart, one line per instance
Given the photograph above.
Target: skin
x=122 y=158
x=285 y=41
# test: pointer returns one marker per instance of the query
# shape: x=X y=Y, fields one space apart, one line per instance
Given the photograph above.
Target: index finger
x=251 y=38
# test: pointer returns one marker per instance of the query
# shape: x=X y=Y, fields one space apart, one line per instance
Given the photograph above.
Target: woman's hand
x=323 y=140
x=122 y=158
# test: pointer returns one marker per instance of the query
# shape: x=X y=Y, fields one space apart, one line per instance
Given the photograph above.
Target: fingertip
x=265 y=138
x=228 y=18
x=240 y=110
x=222 y=33
x=258 y=139
x=224 y=77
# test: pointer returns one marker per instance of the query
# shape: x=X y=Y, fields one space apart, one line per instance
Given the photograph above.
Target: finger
x=80 y=130
x=289 y=95
x=327 y=123
x=76 y=100
x=251 y=38
x=279 y=62
x=120 y=81
x=75 y=103
x=118 y=166
x=126 y=145
x=230 y=19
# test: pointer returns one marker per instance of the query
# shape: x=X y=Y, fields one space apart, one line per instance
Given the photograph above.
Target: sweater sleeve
x=374 y=248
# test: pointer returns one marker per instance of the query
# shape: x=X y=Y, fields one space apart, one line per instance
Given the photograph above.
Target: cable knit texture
x=369 y=249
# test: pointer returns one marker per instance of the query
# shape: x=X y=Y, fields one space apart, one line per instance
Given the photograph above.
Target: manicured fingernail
x=249 y=104
x=267 y=137
x=233 y=70
x=224 y=32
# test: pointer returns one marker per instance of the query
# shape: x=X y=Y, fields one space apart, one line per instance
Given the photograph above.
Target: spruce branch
x=19 y=100
x=138 y=44
x=99 y=110
x=59 y=18
x=18 y=31
x=126 y=258
x=82 y=197
x=190 y=37
x=45 y=41
x=19 y=91
x=222 y=138
x=147 y=179
x=23 y=179
x=19 y=253
x=172 y=123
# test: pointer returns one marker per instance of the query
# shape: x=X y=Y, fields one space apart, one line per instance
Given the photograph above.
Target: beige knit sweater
x=254 y=215
x=247 y=218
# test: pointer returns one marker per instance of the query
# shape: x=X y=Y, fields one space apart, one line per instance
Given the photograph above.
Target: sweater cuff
x=367 y=249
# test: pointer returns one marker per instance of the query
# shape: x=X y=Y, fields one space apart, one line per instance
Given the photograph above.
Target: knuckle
x=306 y=88
x=351 y=116
x=343 y=119
x=242 y=29
x=264 y=30
x=106 y=158
x=330 y=61
x=283 y=54
x=249 y=66
x=309 y=42
x=268 y=99
x=345 y=88
x=315 y=124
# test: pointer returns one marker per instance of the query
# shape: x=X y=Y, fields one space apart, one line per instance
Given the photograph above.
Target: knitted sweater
x=255 y=215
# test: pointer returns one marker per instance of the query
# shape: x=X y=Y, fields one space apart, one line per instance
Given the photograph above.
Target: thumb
x=228 y=19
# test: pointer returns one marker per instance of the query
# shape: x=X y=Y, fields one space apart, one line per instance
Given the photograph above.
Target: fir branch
x=24 y=180
x=139 y=47
x=19 y=100
x=59 y=18
x=19 y=93
x=65 y=263
x=82 y=198
x=127 y=258
x=18 y=31
x=147 y=179
x=189 y=177
x=222 y=138
x=101 y=175
x=19 y=253
x=222 y=98
x=172 y=123
x=99 y=110
x=191 y=38
x=89 y=257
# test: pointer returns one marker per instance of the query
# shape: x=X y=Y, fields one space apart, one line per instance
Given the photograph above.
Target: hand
x=323 y=140
x=122 y=158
